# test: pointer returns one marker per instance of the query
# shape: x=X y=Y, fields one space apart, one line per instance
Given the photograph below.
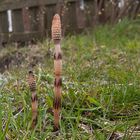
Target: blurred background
x=28 y=20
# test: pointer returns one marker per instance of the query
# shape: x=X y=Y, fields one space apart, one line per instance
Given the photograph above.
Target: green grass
x=101 y=87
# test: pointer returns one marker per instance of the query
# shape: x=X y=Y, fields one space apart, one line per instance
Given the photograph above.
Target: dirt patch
x=14 y=58
x=25 y=57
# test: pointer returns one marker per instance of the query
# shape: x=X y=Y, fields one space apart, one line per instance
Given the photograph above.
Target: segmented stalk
x=34 y=99
x=56 y=36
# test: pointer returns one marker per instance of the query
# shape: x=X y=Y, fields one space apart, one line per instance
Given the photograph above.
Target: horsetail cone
x=31 y=81
x=56 y=28
x=56 y=36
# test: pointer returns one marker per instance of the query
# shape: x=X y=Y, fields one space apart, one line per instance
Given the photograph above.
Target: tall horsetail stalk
x=34 y=104
x=56 y=37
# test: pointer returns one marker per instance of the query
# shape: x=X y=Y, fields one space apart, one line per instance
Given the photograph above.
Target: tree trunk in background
x=61 y=9
x=80 y=13
x=95 y=18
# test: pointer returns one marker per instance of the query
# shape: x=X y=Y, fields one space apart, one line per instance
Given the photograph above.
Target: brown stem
x=56 y=36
